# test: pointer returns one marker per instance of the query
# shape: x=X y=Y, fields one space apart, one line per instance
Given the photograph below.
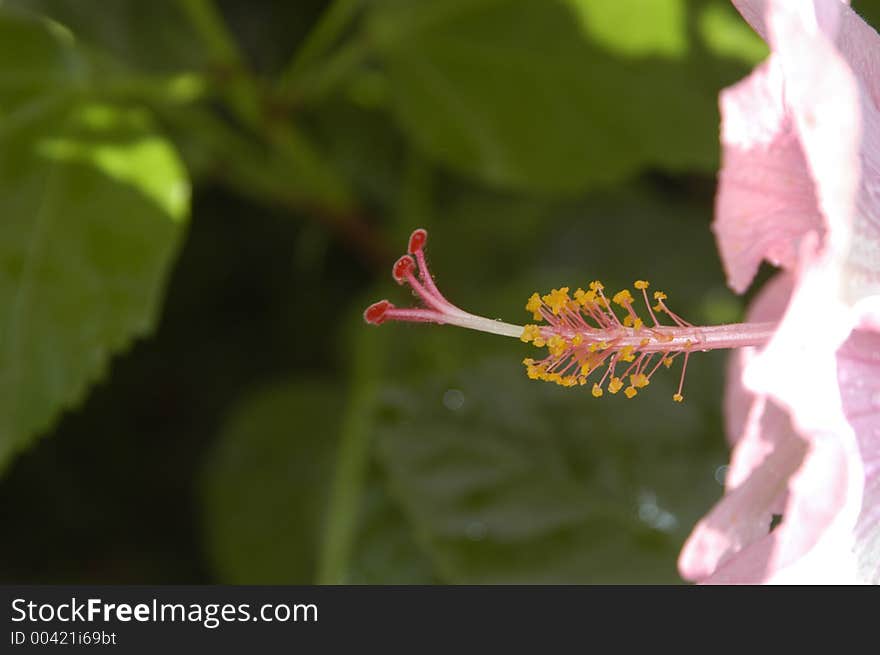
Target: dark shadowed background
x=198 y=199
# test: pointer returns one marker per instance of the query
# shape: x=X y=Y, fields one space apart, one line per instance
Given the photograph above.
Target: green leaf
x=38 y=63
x=552 y=95
x=150 y=36
x=94 y=203
x=512 y=481
x=385 y=550
x=265 y=490
x=265 y=485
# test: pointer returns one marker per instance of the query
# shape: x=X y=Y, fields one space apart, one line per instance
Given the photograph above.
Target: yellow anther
x=629 y=392
x=677 y=397
x=623 y=298
x=597 y=391
x=639 y=381
x=533 y=305
x=530 y=333
x=615 y=385
x=658 y=307
x=667 y=362
x=556 y=345
x=534 y=371
x=539 y=342
x=585 y=369
x=641 y=284
x=595 y=285
x=637 y=324
x=627 y=321
x=593 y=347
x=577 y=340
x=659 y=295
x=557 y=299
x=585 y=298
x=626 y=354
x=604 y=345
x=644 y=342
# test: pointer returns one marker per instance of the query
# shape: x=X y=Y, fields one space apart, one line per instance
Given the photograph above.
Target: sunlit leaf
x=553 y=95
x=93 y=203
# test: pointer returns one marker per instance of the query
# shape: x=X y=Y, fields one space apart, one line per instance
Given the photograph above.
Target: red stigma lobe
x=402 y=268
x=417 y=240
x=375 y=313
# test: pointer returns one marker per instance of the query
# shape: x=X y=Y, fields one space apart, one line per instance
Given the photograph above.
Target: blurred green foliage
x=258 y=431
x=498 y=89
x=270 y=462
x=92 y=200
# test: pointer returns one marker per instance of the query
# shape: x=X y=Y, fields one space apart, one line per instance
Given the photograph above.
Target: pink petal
x=797 y=454
x=856 y=41
x=769 y=305
x=812 y=515
x=861 y=266
x=744 y=514
x=859 y=377
x=766 y=198
x=808 y=439
x=839 y=130
x=799 y=369
x=859 y=45
x=807 y=483
x=807 y=474
x=768 y=451
x=755 y=12
x=801 y=140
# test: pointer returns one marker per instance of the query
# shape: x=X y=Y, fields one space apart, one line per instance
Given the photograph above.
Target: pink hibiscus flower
x=800 y=187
